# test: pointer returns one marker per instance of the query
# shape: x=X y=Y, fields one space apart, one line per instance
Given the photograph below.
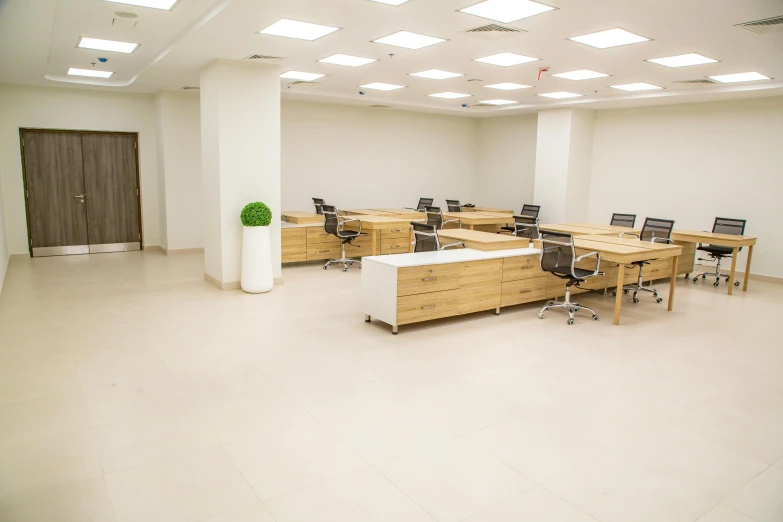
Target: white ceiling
x=38 y=43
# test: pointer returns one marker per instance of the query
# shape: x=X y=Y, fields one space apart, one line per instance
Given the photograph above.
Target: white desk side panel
x=379 y=291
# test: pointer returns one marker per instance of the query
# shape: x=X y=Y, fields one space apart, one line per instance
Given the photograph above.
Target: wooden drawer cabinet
x=425 y=279
x=319 y=235
x=687 y=258
x=657 y=269
x=359 y=247
x=423 y=307
x=479 y=285
x=293 y=244
x=400 y=232
x=395 y=245
x=323 y=251
x=524 y=291
x=521 y=267
x=556 y=287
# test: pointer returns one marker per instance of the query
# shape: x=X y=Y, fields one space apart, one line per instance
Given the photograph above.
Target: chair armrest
x=452 y=221
x=411 y=208
x=444 y=247
x=662 y=240
x=597 y=260
x=628 y=234
x=343 y=221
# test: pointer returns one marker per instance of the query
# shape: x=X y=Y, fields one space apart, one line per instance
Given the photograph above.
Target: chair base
x=639 y=287
x=716 y=274
x=342 y=260
x=568 y=306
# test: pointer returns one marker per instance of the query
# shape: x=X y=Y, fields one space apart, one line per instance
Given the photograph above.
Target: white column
x=240 y=160
x=564 y=153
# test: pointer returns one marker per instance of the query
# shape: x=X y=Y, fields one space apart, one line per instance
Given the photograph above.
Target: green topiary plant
x=256 y=215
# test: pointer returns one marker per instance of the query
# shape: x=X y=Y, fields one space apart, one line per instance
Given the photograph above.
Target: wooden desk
x=410 y=215
x=302 y=218
x=727 y=240
x=486 y=221
x=397 y=233
x=487 y=209
x=485 y=241
x=626 y=251
x=583 y=229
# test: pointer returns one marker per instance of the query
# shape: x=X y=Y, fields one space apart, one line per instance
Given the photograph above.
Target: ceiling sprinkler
x=103 y=60
x=542 y=70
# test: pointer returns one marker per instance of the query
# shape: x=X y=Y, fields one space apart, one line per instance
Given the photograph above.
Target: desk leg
x=618 y=301
x=410 y=240
x=673 y=282
x=747 y=269
x=733 y=267
x=470 y=227
x=374 y=240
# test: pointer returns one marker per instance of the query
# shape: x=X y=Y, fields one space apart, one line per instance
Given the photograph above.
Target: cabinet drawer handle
x=396 y=230
x=323 y=251
x=429 y=278
x=323 y=234
x=525 y=291
x=396 y=246
x=428 y=307
x=525 y=267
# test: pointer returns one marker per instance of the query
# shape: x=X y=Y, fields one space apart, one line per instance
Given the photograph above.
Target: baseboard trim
x=233 y=285
x=279 y=281
x=180 y=251
x=154 y=248
x=739 y=275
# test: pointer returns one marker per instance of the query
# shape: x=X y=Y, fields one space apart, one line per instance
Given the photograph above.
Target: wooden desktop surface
x=302 y=218
x=483 y=240
x=713 y=238
x=487 y=209
x=586 y=229
x=479 y=218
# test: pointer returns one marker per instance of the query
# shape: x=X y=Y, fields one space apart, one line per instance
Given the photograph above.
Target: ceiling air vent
x=493 y=32
x=302 y=82
x=190 y=88
x=380 y=106
x=697 y=81
x=262 y=57
x=766 y=26
x=475 y=80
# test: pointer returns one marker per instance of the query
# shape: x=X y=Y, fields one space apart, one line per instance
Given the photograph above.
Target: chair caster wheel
x=626 y=292
x=704 y=277
x=576 y=309
x=659 y=300
x=614 y=294
x=695 y=279
x=570 y=321
x=635 y=300
x=540 y=316
x=716 y=284
x=325 y=268
x=595 y=318
x=736 y=283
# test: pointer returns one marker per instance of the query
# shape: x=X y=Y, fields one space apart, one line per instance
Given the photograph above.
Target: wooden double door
x=82 y=192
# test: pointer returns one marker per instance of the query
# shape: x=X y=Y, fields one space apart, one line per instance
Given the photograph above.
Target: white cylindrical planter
x=256 y=260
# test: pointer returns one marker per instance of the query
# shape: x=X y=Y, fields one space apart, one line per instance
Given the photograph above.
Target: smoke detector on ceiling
x=125 y=23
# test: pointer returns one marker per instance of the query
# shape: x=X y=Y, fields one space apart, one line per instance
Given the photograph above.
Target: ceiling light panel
x=391 y=2
x=582 y=74
x=379 y=86
x=436 y=74
x=740 y=77
x=299 y=30
x=506 y=59
x=92 y=73
x=449 y=95
x=498 y=102
x=409 y=40
x=302 y=76
x=155 y=4
x=610 y=38
x=107 y=45
x=560 y=95
x=683 y=60
x=347 y=60
x=633 y=87
x=508 y=86
x=506 y=11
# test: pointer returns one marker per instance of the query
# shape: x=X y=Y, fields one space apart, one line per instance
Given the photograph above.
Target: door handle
x=81 y=197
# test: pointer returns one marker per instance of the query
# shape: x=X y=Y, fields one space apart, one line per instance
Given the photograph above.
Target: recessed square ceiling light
x=347 y=60
x=740 y=77
x=298 y=30
x=449 y=95
x=636 y=87
x=560 y=95
x=107 y=45
x=498 y=102
x=609 y=38
x=436 y=74
x=89 y=72
x=506 y=11
x=302 y=76
x=582 y=74
x=683 y=60
x=409 y=40
x=155 y=4
x=379 y=86
x=506 y=59
x=391 y=2
x=508 y=86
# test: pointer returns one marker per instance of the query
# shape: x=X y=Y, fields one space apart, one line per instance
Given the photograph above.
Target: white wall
x=361 y=157
x=179 y=167
x=4 y=254
x=58 y=108
x=506 y=162
x=693 y=162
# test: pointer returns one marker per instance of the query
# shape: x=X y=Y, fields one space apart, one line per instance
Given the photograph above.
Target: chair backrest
x=557 y=252
x=331 y=220
x=525 y=226
x=425 y=237
x=318 y=202
x=734 y=227
x=453 y=205
x=434 y=216
x=531 y=210
x=655 y=227
x=623 y=220
x=424 y=202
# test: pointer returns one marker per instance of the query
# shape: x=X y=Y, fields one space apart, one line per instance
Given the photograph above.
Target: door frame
x=74 y=131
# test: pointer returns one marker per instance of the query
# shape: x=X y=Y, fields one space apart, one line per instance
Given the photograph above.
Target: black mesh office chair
x=524 y=228
x=657 y=231
x=623 y=220
x=528 y=215
x=734 y=227
x=334 y=224
x=453 y=205
x=558 y=257
x=435 y=217
x=319 y=203
x=425 y=238
x=423 y=202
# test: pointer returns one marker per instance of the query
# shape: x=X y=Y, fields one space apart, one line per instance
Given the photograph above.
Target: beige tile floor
x=132 y=391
